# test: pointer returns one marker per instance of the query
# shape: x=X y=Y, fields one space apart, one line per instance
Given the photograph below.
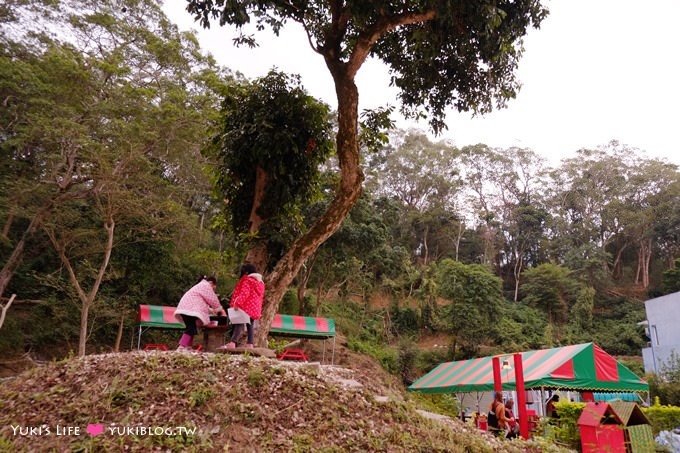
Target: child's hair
x=210 y=278
x=247 y=269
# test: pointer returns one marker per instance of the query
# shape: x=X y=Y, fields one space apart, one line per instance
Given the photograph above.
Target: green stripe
x=156 y=314
x=472 y=368
x=165 y=325
x=433 y=375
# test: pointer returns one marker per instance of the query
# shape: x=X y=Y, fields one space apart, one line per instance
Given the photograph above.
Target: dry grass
x=234 y=403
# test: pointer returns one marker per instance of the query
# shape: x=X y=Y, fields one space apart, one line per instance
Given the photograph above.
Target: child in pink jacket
x=247 y=296
x=194 y=309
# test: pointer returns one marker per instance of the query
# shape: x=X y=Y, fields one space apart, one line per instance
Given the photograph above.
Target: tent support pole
x=521 y=396
x=461 y=398
x=542 y=405
x=497 y=383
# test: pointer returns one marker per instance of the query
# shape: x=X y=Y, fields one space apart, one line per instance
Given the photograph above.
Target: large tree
x=95 y=118
x=441 y=54
x=274 y=137
x=474 y=297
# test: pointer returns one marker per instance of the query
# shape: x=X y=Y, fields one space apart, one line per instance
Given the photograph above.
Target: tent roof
x=302 y=326
x=576 y=367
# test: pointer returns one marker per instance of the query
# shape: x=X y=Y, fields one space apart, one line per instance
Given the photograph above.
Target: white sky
x=596 y=70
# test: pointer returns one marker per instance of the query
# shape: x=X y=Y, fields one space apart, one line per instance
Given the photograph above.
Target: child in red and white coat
x=195 y=307
x=247 y=296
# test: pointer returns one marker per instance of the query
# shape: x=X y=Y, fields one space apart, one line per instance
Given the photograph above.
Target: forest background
x=112 y=195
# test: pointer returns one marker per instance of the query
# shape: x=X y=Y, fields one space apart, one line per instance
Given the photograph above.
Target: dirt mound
x=172 y=401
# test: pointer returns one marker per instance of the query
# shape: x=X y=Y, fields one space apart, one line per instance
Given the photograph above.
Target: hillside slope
x=172 y=401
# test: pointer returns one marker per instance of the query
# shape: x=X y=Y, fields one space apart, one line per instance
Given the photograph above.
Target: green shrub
x=662 y=417
x=445 y=403
x=566 y=427
x=256 y=377
x=200 y=396
x=388 y=357
x=666 y=384
x=428 y=359
x=408 y=353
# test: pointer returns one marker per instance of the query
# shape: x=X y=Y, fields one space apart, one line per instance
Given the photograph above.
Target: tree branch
x=371 y=35
x=5 y=308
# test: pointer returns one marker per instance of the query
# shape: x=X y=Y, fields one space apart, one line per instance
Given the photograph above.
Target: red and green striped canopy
x=302 y=326
x=577 y=367
x=158 y=316
x=297 y=326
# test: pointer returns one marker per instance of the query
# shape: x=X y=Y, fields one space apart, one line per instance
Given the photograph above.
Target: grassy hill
x=172 y=401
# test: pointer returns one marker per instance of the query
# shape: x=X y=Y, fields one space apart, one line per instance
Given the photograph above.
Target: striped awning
x=302 y=326
x=577 y=367
x=158 y=316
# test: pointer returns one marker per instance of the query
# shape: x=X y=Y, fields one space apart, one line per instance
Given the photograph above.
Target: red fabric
x=587 y=397
x=606 y=368
x=277 y=322
x=564 y=371
x=169 y=315
x=145 y=313
x=299 y=323
x=248 y=296
x=321 y=325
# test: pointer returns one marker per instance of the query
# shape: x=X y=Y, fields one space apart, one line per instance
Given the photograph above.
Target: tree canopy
x=440 y=54
x=273 y=141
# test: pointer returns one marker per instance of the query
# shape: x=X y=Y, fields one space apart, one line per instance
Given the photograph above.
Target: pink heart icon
x=95 y=430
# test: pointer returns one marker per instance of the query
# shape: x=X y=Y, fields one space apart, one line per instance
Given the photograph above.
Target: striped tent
x=577 y=367
x=153 y=317
x=302 y=326
x=158 y=316
x=305 y=327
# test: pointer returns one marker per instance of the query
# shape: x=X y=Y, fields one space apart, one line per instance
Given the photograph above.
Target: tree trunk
x=302 y=285
x=8 y=223
x=518 y=274
x=119 y=337
x=346 y=196
x=426 y=259
x=15 y=258
x=645 y=257
x=257 y=254
x=86 y=299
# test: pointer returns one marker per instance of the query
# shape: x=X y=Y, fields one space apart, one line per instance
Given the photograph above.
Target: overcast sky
x=596 y=70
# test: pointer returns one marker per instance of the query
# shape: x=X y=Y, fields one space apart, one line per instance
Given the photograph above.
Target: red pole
x=497 y=384
x=521 y=397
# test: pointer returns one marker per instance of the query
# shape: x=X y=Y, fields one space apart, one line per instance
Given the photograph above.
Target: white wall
x=663 y=324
